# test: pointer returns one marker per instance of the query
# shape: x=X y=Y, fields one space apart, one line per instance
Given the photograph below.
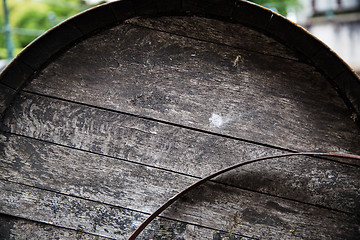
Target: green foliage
x=281 y=6
x=30 y=18
x=2 y=35
x=65 y=8
x=3 y=52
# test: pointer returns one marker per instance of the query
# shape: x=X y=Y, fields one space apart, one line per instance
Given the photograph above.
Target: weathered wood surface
x=91 y=217
x=212 y=30
x=12 y=228
x=167 y=147
x=125 y=119
x=213 y=206
x=266 y=99
x=5 y=97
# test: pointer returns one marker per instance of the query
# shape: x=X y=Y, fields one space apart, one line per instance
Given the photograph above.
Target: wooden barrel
x=114 y=111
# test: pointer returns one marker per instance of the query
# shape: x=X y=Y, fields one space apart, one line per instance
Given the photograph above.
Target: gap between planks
x=55 y=228
x=213 y=42
x=62 y=226
x=186 y=173
x=166 y=170
x=25 y=195
x=307 y=116
x=176 y=125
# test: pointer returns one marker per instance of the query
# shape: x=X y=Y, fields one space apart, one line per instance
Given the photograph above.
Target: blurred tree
x=281 y=6
x=7 y=31
x=30 y=18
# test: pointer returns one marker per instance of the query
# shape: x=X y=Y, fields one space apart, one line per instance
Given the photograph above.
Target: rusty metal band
x=204 y=180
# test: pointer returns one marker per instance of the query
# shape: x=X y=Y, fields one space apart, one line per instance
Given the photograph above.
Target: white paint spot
x=216 y=120
x=193 y=55
x=190 y=228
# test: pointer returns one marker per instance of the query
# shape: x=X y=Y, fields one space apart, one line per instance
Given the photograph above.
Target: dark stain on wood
x=5 y=227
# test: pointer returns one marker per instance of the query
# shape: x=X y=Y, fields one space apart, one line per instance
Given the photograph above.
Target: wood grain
x=12 y=228
x=59 y=210
x=212 y=30
x=21 y=229
x=91 y=217
x=90 y=176
x=193 y=83
x=173 y=149
x=126 y=118
x=212 y=206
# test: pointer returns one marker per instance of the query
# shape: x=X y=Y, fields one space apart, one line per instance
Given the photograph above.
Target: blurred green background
x=30 y=18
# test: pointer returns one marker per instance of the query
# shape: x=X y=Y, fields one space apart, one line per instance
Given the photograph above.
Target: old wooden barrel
x=108 y=115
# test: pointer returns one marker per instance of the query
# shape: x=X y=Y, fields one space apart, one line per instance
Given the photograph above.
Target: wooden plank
x=265 y=218
x=59 y=210
x=212 y=30
x=161 y=146
x=103 y=175
x=90 y=217
x=211 y=206
x=87 y=175
x=193 y=83
x=22 y=229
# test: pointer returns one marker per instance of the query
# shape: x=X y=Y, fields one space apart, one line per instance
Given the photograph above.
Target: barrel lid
x=59 y=38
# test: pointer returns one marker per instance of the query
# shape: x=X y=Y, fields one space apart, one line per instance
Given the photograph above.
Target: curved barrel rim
x=59 y=38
